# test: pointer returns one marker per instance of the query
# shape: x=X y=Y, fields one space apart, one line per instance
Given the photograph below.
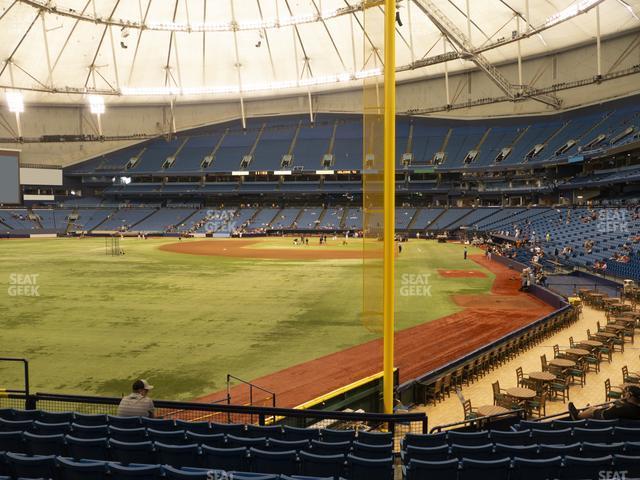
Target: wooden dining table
x=615 y=328
x=578 y=352
x=521 y=393
x=562 y=363
x=591 y=343
x=606 y=335
x=488 y=410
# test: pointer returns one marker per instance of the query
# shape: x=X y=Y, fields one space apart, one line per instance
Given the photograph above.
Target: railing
x=483 y=423
x=399 y=424
x=271 y=397
x=25 y=363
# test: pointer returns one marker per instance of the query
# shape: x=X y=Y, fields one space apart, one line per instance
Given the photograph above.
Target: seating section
x=63 y=445
x=68 y=445
x=530 y=140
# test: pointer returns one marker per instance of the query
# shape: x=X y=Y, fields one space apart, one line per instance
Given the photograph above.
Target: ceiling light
x=96 y=104
x=15 y=102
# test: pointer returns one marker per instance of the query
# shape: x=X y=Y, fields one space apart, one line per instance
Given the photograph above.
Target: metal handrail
x=471 y=421
x=25 y=362
x=251 y=387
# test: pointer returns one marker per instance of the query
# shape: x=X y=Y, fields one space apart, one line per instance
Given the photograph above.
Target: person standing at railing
x=137 y=403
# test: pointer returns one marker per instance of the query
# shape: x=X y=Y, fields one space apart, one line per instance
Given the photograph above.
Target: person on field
x=465 y=253
x=137 y=403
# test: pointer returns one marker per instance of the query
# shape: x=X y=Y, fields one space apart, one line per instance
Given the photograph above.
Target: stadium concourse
x=355 y=239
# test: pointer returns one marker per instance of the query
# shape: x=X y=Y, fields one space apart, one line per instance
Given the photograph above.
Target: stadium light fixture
x=96 y=105
x=15 y=101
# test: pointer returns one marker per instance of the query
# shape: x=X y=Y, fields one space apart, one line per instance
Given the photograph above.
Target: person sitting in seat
x=627 y=408
x=137 y=403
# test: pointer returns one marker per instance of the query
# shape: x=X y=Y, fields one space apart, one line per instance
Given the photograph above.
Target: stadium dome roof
x=151 y=50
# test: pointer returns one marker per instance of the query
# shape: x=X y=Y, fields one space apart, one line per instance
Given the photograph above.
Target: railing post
x=261 y=419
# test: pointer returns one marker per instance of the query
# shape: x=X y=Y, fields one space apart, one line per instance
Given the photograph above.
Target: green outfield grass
x=185 y=321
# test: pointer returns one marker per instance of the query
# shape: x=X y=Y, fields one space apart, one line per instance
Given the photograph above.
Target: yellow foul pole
x=389 y=198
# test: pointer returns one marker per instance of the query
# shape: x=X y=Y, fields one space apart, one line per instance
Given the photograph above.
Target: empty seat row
x=568 y=467
x=525 y=437
x=282 y=463
x=110 y=449
x=13 y=420
x=490 y=451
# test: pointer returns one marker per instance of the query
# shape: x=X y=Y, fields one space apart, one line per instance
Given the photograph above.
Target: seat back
x=131 y=452
x=375 y=438
x=370 y=469
x=273 y=462
x=44 y=444
x=178 y=455
x=224 y=458
x=321 y=465
x=93 y=449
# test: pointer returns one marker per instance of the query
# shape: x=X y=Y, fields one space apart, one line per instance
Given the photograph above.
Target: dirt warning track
x=418 y=349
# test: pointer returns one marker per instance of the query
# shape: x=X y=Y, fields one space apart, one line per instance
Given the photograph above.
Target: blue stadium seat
x=375 y=438
x=426 y=454
x=51 y=428
x=253 y=476
x=441 y=470
x=246 y=442
x=424 y=440
x=26 y=414
x=578 y=468
x=560 y=424
x=329 y=435
x=190 y=473
x=474 y=452
x=535 y=469
x=89 y=431
x=276 y=445
x=228 y=428
x=211 y=440
x=321 y=465
x=468 y=438
x=367 y=469
x=135 y=472
x=364 y=450
x=594 y=435
x=330 y=448
x=178 y=455
x=529 y=425
x=175 y=437
x=620 y=434
x=91 y=448
x=550 y=451
x=44 y=444
x=522 y=451
x=203 y=428
x=632 y=448
x=601 y=449
x=87 y=419
x=522 y=437
x=37 y=466
x=128 y=434
x=629 y=463
x=163 y=424
x=132 y=452
x=260 y=431
x=597 y=423
x=6 y=413
x=12 y=442
x=123 y=422
x=295 y=433
x=485 y=470
x=224 y=458
x=56 y=417
x=263 y=461
x=15 y=425
x=553 y=437
x=81 y=470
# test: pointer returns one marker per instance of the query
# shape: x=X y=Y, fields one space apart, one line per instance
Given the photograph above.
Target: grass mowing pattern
x=185 y=321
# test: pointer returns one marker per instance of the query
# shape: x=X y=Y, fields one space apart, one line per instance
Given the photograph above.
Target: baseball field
x=184 y=314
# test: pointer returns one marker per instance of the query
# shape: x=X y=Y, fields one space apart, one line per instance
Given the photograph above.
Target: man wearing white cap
x=137 y=403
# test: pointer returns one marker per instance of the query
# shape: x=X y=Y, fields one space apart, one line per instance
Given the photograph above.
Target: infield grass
x=184 y=321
